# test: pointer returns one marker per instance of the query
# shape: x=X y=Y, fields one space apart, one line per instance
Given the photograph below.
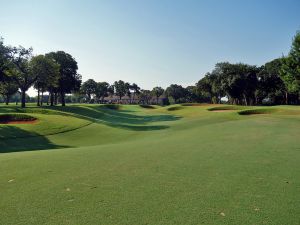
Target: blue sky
x=153 y=42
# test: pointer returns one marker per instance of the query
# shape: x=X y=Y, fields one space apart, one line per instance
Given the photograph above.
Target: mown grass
x=141 y=166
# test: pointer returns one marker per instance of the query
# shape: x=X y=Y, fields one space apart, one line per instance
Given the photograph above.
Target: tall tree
x=120 y=88
x=157 y=92
x=8 y=88
x=176 y=92
x=21 y=71
x=145 y=97
x=270 y=85
x=102 y=89
x=69 y=79
x=47 y=72
x=290 y=70
x=4 y=59
x=89 y=88
x=136 y=90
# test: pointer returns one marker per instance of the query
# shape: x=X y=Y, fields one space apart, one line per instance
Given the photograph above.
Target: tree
x=102 y=89
x=157 y=92
x=175 y=91
x=7 y=89
x=136 y=90
x=20 y=70
x=47 y=72
x=270 y=85
x=120 y=88
x=69 y=79
x=290 y=70
x=4 y=59
x=88 y=88
x=145 y=97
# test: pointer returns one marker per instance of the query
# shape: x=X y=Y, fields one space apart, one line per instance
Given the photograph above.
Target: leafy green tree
x=290 y=70
x=69 y=79
x=176 y=92
x=136 y=90
x=204 y=87
x=270 y=85
x=20 y=70
x=7 y=89
x=145 y=97
x=157 y=92
x=120 y=88
x=102 y=90
x=89 y=88
x=47 y=72
x=4 y=59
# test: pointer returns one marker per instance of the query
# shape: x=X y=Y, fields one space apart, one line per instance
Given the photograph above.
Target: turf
x=97 y=164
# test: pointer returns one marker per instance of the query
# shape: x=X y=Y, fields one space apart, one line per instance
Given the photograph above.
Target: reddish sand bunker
x=19 y=122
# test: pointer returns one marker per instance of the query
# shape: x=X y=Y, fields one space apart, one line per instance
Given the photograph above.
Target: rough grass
x=187 y=166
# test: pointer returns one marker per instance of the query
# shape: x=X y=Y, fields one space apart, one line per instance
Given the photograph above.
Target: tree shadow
x=14 y=139
x=124 y=119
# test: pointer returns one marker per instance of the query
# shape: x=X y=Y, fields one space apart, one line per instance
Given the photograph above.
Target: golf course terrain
x=95 y=164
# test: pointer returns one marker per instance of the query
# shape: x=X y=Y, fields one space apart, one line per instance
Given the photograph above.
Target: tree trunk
x=55 y=98
x=38 y=98
x=23 y=98
x=157 y=100
x=51 y=98
x=62 y=95
x=42 y=98
x=245 y=99
x=286 y=98
x=7 y=99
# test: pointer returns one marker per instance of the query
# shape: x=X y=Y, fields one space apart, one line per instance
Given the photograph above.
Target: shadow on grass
x=123 y=119
x=14 y=139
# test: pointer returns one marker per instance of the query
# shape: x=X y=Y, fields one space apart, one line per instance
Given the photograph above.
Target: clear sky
x=152 y=42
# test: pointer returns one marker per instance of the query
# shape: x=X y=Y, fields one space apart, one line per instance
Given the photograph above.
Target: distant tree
x=89 y=88
x=120 y=88
x=69 y=79
x=47 y=72
x=176 y=92
x=290 y=70
x=192 y=94
x=145 y=97
x=20 y=71
x=7 y=89
x=157 y=92
x=270 y=85
x=136 y=90
x=204 y=87
x=4 y=59
x=102 y=89
x=111 y=90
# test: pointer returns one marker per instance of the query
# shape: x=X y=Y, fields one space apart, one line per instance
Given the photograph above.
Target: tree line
x=55 y=73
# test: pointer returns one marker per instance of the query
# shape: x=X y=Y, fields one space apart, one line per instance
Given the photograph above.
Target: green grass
x=97 y=164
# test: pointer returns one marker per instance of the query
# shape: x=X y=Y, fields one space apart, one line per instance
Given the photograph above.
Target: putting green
x=183 y=164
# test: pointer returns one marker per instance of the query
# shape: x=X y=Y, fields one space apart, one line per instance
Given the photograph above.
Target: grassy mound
x=227 y=107
x=192 y=104
x=258 y=111
x=174 y=108
x=113 y=106
x=147 y=106
x=5 y=118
